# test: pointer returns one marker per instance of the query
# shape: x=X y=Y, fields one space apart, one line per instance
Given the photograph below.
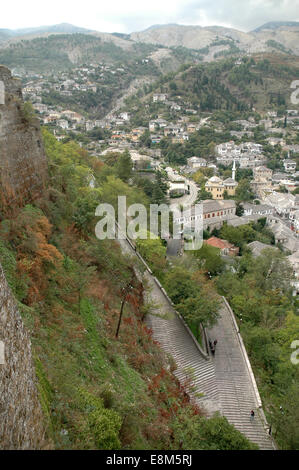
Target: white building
x=177 y=183
x=276 y=141
x=282 y=203
x=196 y=162
x=257 y=209
x=294 y=262
x=89 y=125
x=125 y=116
x=262 y=172
x=159 y=97
x=211 y=213
x=289 y=165
x=63 y=123
x=294 y=218
x=40 y=107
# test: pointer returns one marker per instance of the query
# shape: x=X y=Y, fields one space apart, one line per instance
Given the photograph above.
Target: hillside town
x=274 y=192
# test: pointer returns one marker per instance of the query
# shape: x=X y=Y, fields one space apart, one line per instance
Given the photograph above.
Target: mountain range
x=272 y=36
x=58 y=28
x=280 y=36
x=163 y=47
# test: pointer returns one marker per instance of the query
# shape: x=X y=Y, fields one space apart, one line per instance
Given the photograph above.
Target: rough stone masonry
x=23 y=174
x=21 y=417
x=23 y=164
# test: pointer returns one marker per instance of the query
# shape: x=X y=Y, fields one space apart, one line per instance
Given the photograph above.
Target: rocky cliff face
x=23 y=172
x=23 y=167
x=21 y=417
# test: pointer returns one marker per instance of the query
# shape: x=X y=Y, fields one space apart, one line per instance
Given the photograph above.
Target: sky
x=126 y=16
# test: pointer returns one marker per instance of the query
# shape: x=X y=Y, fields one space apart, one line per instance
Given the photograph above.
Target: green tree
x=244 y=191
x=124 y=167
x=232 y=234
x=239 y=209
x=210 y=259
x=145 y=139
x=200 y=309
x=285 y=418
x=179 y=284
x=216 y=433
x=153 y=251
x=102 y=424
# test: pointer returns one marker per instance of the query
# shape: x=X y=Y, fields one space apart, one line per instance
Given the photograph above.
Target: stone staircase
x=236 y=391
x=219 y=383
x=191 y=364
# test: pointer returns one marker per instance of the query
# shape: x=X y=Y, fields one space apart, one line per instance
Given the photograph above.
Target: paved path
x=187 y=199
x=220 y=383
x=174 y=247
x=236 y=391
x=174 y=338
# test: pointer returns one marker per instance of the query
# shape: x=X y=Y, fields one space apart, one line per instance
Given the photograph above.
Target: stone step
x=223 y=379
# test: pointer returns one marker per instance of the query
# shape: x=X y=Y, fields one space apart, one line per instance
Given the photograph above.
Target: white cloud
x=133 y=15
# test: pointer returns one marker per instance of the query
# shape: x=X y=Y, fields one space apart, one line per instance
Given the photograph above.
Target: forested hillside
x=258 y=81
x=61 y=52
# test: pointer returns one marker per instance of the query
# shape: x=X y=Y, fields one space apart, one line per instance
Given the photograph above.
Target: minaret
x=234 y=171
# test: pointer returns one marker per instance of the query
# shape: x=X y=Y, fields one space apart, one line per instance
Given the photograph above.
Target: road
x=187 y=199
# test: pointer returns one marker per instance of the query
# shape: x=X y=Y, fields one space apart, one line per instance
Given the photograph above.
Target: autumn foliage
x=29 y=233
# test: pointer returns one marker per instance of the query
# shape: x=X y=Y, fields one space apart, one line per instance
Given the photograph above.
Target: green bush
x=103 y=424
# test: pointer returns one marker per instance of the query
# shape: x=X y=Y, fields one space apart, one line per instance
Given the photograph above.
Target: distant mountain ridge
x=275 y=25
x=282 y=36
x=57 y=28
x=208 y=42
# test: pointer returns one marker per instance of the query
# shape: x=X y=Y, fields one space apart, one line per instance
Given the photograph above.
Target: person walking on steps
x=270 y=430
x=212 y=348
x=251 y=415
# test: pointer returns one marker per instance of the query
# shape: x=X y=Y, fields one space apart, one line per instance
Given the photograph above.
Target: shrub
x=103 y=424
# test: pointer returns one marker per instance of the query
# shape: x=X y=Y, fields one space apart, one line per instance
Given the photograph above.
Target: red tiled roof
x=218 y=243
